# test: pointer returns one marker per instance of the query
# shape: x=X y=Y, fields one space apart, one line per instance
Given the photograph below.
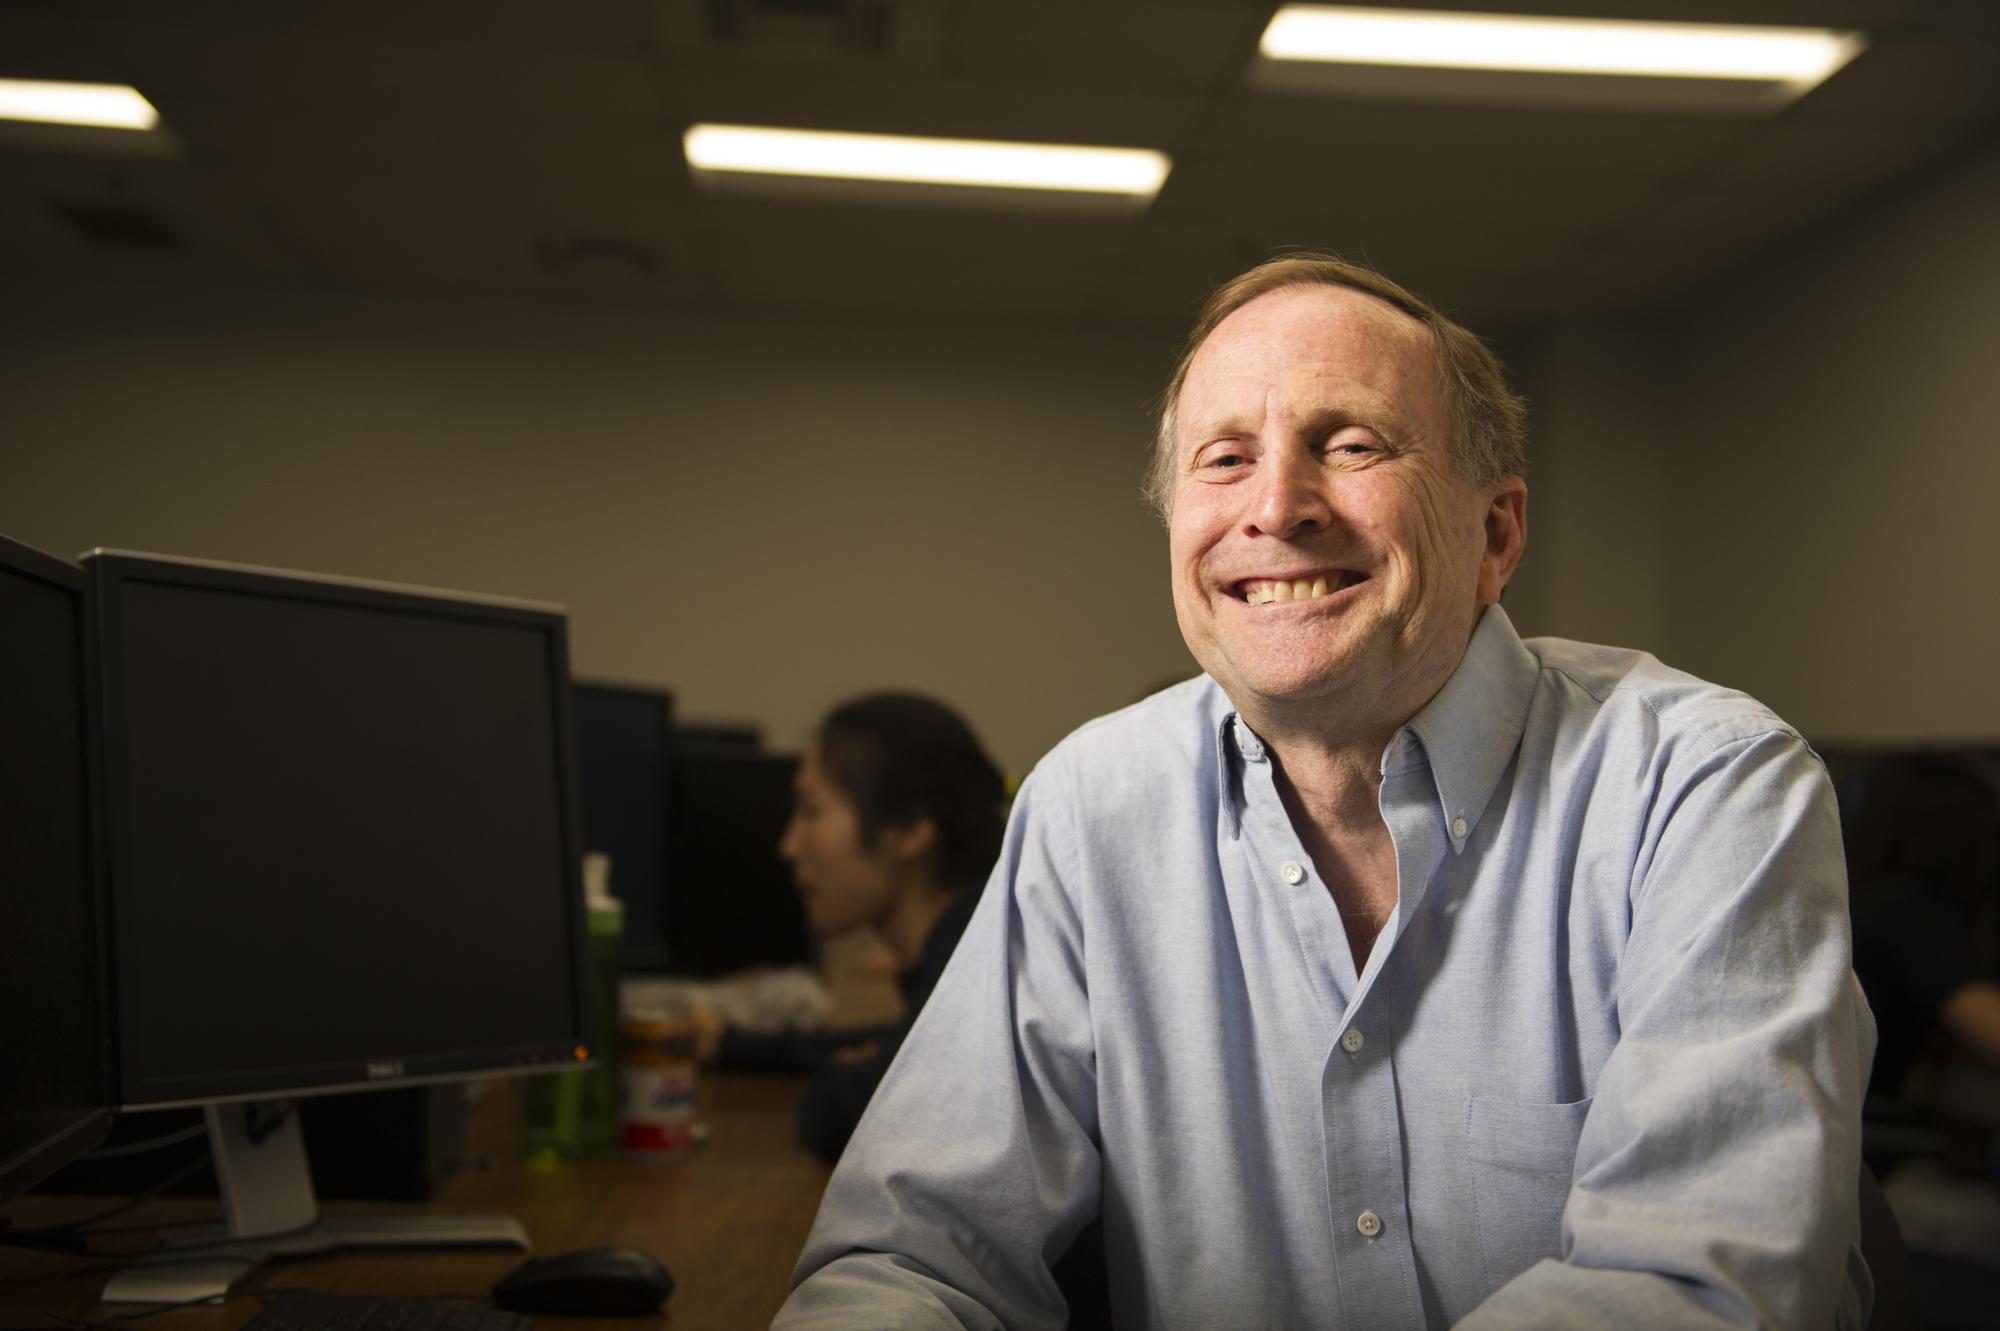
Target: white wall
x=762 y=516
x=1789 y=486
x=1835 y=472
x=1792 y=484
x=1597 y=549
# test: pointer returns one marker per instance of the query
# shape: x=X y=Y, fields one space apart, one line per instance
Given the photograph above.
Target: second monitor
x=54 y=1101
x=343 y=853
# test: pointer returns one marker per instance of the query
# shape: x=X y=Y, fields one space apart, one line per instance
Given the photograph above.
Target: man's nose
x=1290 y=495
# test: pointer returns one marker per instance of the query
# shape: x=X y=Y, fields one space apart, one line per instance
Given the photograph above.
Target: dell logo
x=392 y=1068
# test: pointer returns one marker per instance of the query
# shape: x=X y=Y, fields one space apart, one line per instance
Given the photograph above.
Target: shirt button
x=1292 y=872
x=1353 y=1040
x=1369 y=1224
x=1458 y=827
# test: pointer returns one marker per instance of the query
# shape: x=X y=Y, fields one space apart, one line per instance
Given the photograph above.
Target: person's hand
x=856 y=1053
x=1971 y=1012
x=877 y=963
x=708 y=1028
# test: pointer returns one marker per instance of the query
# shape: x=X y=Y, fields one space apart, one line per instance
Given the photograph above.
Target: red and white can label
x=659 y=1110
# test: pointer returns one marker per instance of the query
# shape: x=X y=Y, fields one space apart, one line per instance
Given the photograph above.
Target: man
x=1397 y=973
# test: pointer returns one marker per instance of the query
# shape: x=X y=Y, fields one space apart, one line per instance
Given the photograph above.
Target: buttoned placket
x=1368 y=1211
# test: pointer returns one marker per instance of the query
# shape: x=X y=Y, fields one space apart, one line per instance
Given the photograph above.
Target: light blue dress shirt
x=1603 y=1067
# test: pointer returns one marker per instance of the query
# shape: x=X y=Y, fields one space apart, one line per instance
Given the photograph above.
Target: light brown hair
x=1488 y=420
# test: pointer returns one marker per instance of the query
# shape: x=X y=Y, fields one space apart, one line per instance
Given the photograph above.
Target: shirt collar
x=1234 y=746
x=1468 y=732
x=1471 y=729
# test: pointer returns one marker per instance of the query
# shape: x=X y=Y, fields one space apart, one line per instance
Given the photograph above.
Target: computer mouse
x=591 y=1282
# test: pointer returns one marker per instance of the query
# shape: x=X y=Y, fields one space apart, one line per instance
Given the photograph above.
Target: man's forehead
x=1291 y=346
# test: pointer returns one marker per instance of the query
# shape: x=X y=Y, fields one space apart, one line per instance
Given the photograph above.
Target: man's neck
x=1333 y=762
x=1335 y=789
x=1333 y=799
x=1329 y=776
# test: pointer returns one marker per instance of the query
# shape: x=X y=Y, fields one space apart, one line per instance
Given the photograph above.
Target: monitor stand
x=270 y=1212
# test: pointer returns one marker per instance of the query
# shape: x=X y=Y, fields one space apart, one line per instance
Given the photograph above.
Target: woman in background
x=896 y=824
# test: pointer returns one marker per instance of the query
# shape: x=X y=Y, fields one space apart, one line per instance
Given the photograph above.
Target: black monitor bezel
x=26 y=1168
x=648 y=953
x=110 y=573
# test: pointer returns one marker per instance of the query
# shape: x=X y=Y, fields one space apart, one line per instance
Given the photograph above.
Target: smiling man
x=1397 y=972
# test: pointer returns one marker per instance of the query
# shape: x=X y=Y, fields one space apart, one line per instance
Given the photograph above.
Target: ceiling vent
x=120 y=226
x=854 y=27
x=592 y=256
x=899 y=30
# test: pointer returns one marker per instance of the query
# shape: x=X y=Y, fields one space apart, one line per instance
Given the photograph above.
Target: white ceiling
x=530 y=149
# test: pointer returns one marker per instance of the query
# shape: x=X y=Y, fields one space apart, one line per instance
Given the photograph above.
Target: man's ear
x=1506 y=536
x=909 y=842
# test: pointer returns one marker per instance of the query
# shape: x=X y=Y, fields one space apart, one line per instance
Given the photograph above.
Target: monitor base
x=271 y=1213
x=210 y=1264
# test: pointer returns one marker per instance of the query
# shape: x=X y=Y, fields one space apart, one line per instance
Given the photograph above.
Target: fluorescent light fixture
x=99 y=105
x=1796 y=57
x=1135 y=173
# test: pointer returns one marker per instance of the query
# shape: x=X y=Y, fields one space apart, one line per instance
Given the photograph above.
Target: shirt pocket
x=1521 y=1157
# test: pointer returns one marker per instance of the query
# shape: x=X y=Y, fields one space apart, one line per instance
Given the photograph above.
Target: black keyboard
x=300 y=1310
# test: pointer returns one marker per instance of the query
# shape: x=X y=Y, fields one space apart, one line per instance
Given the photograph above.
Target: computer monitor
x=343 y=853
x=55 y=1100
x=624 y=753
x=734 y=903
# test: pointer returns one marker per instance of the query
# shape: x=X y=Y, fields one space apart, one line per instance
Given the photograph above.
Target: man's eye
x=1221 y=459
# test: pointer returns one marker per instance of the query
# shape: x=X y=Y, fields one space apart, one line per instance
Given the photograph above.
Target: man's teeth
x=1300 y=589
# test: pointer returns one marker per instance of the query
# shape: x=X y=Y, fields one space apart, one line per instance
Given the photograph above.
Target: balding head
x=1488 y=421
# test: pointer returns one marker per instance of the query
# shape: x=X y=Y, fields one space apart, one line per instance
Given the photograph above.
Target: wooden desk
x=729 y=1221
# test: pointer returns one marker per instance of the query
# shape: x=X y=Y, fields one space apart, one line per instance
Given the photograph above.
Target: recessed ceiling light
x=1797 y=58
x=1131 y=173
x=99 y=105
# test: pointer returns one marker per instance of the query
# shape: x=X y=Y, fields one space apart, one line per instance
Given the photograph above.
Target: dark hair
x=901 y=757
